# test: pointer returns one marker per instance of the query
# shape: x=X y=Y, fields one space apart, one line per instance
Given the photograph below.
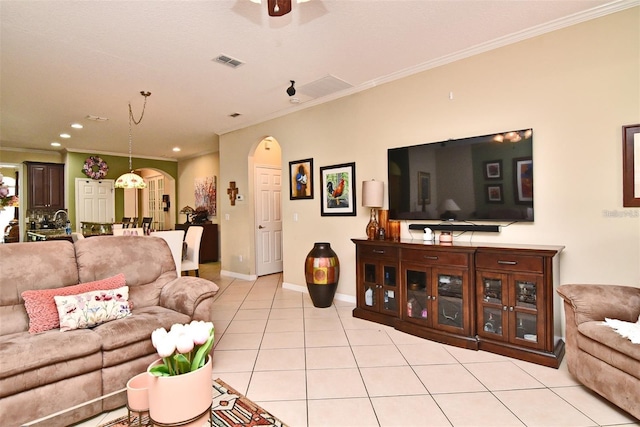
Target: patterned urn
x=322 y=271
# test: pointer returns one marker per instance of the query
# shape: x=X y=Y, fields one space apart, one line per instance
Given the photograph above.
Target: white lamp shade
x=130 y=180
x=372 y=194
x=449 y=205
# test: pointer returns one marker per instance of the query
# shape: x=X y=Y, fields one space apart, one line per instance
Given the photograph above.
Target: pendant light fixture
x=130 y=179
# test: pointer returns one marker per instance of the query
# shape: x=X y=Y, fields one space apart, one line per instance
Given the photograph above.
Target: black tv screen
x=482 y=178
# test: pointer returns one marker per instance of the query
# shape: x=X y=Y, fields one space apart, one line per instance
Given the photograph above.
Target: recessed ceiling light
x=55 y=144
x=77 y=126
x=176 y=149
x=65 y=135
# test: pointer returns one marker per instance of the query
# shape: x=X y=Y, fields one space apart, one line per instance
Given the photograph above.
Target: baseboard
x=238 y=275
x=303 y=289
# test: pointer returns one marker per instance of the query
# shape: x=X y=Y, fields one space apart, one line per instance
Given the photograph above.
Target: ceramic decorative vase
x=181 y=399
x=322 y=271
x=138 y=393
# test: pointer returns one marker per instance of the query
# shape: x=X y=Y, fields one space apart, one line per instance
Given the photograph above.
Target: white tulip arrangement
x=183 y=349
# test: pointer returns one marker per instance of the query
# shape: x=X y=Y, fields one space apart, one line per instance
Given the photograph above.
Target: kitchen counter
x=47 y=234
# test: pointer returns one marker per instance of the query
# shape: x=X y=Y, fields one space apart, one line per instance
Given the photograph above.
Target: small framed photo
x=493 y=169
x=494 y=193
x=523 y=180
x=338 y=191
x=301 y=179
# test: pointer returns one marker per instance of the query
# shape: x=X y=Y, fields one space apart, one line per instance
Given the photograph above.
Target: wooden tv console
x=497 y=298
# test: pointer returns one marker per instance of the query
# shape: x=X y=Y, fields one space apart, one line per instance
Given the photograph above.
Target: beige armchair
x=597 y=356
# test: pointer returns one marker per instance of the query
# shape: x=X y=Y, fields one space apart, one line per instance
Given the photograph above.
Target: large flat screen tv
x=482 y=178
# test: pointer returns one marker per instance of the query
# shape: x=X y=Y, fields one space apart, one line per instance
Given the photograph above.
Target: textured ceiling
x=63 y=60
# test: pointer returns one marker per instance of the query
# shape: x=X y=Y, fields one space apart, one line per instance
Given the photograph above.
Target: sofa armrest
x=189 y=295
x=595 y=302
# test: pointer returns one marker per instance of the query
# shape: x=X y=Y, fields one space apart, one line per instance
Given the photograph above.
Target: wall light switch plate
x=226 y=217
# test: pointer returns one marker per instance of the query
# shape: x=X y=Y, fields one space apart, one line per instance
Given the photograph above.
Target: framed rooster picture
x=337 y=189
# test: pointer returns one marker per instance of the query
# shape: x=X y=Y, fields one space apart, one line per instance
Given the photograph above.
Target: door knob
x=260 y=227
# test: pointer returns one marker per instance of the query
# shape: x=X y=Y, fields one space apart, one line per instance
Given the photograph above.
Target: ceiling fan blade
x=278 y=7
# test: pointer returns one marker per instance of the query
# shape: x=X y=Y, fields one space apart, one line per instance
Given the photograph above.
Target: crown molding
x=112 y=153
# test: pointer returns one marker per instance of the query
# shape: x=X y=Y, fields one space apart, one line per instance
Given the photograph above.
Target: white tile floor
x=322 y=367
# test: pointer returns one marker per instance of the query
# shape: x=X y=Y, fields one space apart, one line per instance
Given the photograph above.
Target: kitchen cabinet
x=45 y=186
x=377 y=278
x=498 y=298
x=208 y=242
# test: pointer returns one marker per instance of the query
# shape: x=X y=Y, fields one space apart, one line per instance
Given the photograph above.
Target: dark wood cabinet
x=482 y=297
x=378 y=285
x=515 y=304
x=438 y=294
x=45 y=185
x=208 y=243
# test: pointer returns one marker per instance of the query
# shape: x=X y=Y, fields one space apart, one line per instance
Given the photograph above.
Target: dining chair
x=128 y=232
x=126 y=221
x=174 y=239
x=192 y=260
x=146 y=223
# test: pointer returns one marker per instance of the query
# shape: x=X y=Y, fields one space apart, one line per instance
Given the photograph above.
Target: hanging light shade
x=130 y=179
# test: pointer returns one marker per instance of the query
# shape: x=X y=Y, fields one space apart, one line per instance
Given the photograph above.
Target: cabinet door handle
x=511 y=308
x=504 y=308
x=507 y=262
x=378 y=251
x=431 y=257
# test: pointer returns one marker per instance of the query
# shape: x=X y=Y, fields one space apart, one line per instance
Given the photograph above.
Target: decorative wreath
x=95 y=168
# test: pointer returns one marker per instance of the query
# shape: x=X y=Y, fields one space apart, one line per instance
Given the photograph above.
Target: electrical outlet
x=240 y=258
x=226 y=217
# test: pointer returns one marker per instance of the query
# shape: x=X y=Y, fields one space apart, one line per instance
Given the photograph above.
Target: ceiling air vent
x=227 y=60
x=324 y=86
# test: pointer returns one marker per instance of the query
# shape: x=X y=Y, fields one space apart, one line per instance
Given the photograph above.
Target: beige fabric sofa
x=597 y=356
x=47 y=372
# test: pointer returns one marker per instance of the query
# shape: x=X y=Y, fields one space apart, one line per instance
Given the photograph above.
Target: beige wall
x=190 y=169
x=575 y=87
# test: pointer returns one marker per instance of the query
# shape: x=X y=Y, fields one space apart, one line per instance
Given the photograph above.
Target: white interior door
x=95 y=201
x=268 y=220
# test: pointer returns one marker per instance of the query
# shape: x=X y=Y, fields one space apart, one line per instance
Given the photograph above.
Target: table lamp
x=187 y=210
x=372 y=197
x=448 y=207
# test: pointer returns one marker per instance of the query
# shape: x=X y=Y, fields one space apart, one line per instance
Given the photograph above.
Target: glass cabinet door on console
x=435 y=297
x=509 y=307
x=378 y=280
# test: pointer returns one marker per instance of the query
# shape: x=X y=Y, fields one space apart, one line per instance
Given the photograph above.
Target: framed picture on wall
x=424 y=188
x=523 y=180
x=337 y=189
x=493 y=169
x=631 y=166
x=301 y=179
x=493 y=193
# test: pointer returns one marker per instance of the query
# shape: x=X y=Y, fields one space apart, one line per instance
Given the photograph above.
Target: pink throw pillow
x=41 y=307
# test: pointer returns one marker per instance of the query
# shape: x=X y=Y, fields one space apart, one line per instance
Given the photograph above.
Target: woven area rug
x=230 y=409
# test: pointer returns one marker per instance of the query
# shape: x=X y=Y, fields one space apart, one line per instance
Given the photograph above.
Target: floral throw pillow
x=92 y=308
x=41 y=307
